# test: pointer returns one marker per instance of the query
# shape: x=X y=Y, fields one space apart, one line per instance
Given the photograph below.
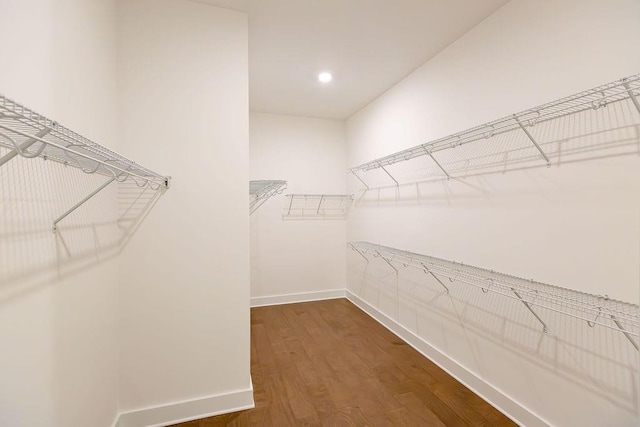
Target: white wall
x=183 y=81
x=58 y=292
x=297 y=256
x=574 y=225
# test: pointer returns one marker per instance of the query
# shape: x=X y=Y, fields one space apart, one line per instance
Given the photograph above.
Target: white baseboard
x=179 y=412
x=509 y=407
x=299 y=297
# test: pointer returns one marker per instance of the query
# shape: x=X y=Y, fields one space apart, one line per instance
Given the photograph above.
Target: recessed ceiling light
x=325 y=77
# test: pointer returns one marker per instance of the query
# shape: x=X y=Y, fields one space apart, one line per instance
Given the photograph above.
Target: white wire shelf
x=536 y=136
x=593 y=309
x=317 y=206
x=261 y=190
x=28 y=134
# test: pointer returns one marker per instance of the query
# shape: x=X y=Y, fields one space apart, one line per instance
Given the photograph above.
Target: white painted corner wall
x=574 y=225
x=184 y=297
x=162 y=332
x=296 y=256
x=58 y=292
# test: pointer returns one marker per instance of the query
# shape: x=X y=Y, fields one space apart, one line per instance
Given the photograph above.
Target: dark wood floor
x=328 y=363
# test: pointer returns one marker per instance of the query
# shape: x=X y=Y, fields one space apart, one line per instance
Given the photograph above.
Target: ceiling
x=368 y=46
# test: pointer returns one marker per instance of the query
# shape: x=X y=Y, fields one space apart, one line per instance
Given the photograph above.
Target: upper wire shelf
x=519 y=138
x=317 y=206
x=261 y=190
x=593 y=309
x=28 y=134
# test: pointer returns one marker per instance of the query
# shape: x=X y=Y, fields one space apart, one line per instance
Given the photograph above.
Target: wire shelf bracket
x=353 y=248
x=359 y=179
x=28 y=134
x=317 y=206
x=526 y=304
x=524 y=129
x=390 y=176
x=437 y=163
x=632 y=95
x=616 y=92
x=262 y=190
x=427 y=271
x=593 y=309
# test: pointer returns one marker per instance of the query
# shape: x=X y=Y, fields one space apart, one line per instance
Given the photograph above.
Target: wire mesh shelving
x=537 y=136
x=261 y=190
x=593 y=309
x=317 y=206
x=28 y=134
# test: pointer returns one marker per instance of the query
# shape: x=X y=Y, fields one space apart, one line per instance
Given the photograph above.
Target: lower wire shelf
x=593 y=309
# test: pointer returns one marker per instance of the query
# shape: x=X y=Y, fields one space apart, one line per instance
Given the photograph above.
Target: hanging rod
x=593 y=309
x=28 y=134
x=620 y=90
x=317 y=206
x=261 y=190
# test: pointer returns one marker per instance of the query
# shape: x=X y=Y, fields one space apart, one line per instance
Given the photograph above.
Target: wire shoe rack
x=28 y=134
x=593 y=309
x=261 y=190
x=534 y=136
x=317 y=206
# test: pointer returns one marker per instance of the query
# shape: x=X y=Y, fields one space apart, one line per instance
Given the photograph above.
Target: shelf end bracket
x=81 y=202
x=358 y=251
x=359 y=179
x=635 y=103
x=542 y=153
x=528 y=305
x=427 y=270
x=390 y=176
x=436 y=162
x=624 y=331
x=388 y=262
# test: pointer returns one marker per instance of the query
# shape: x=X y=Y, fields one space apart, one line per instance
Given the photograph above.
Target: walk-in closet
x=442 y=227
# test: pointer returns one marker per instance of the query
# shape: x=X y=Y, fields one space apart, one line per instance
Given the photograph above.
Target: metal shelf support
x=387 y=261
x=427 y=271
x=526 y=304
x=542 y=153
x=261 y=190
x=83 y=201
x=626 y=334
x=359 y=179
x=436 y=162
x=633 y=97
x=353 y=248
x=387 y=172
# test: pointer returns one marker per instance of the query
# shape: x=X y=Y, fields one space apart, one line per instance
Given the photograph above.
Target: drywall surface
x=297 y=256
x=574 y=224
x=58 y=292
x=183 y=106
